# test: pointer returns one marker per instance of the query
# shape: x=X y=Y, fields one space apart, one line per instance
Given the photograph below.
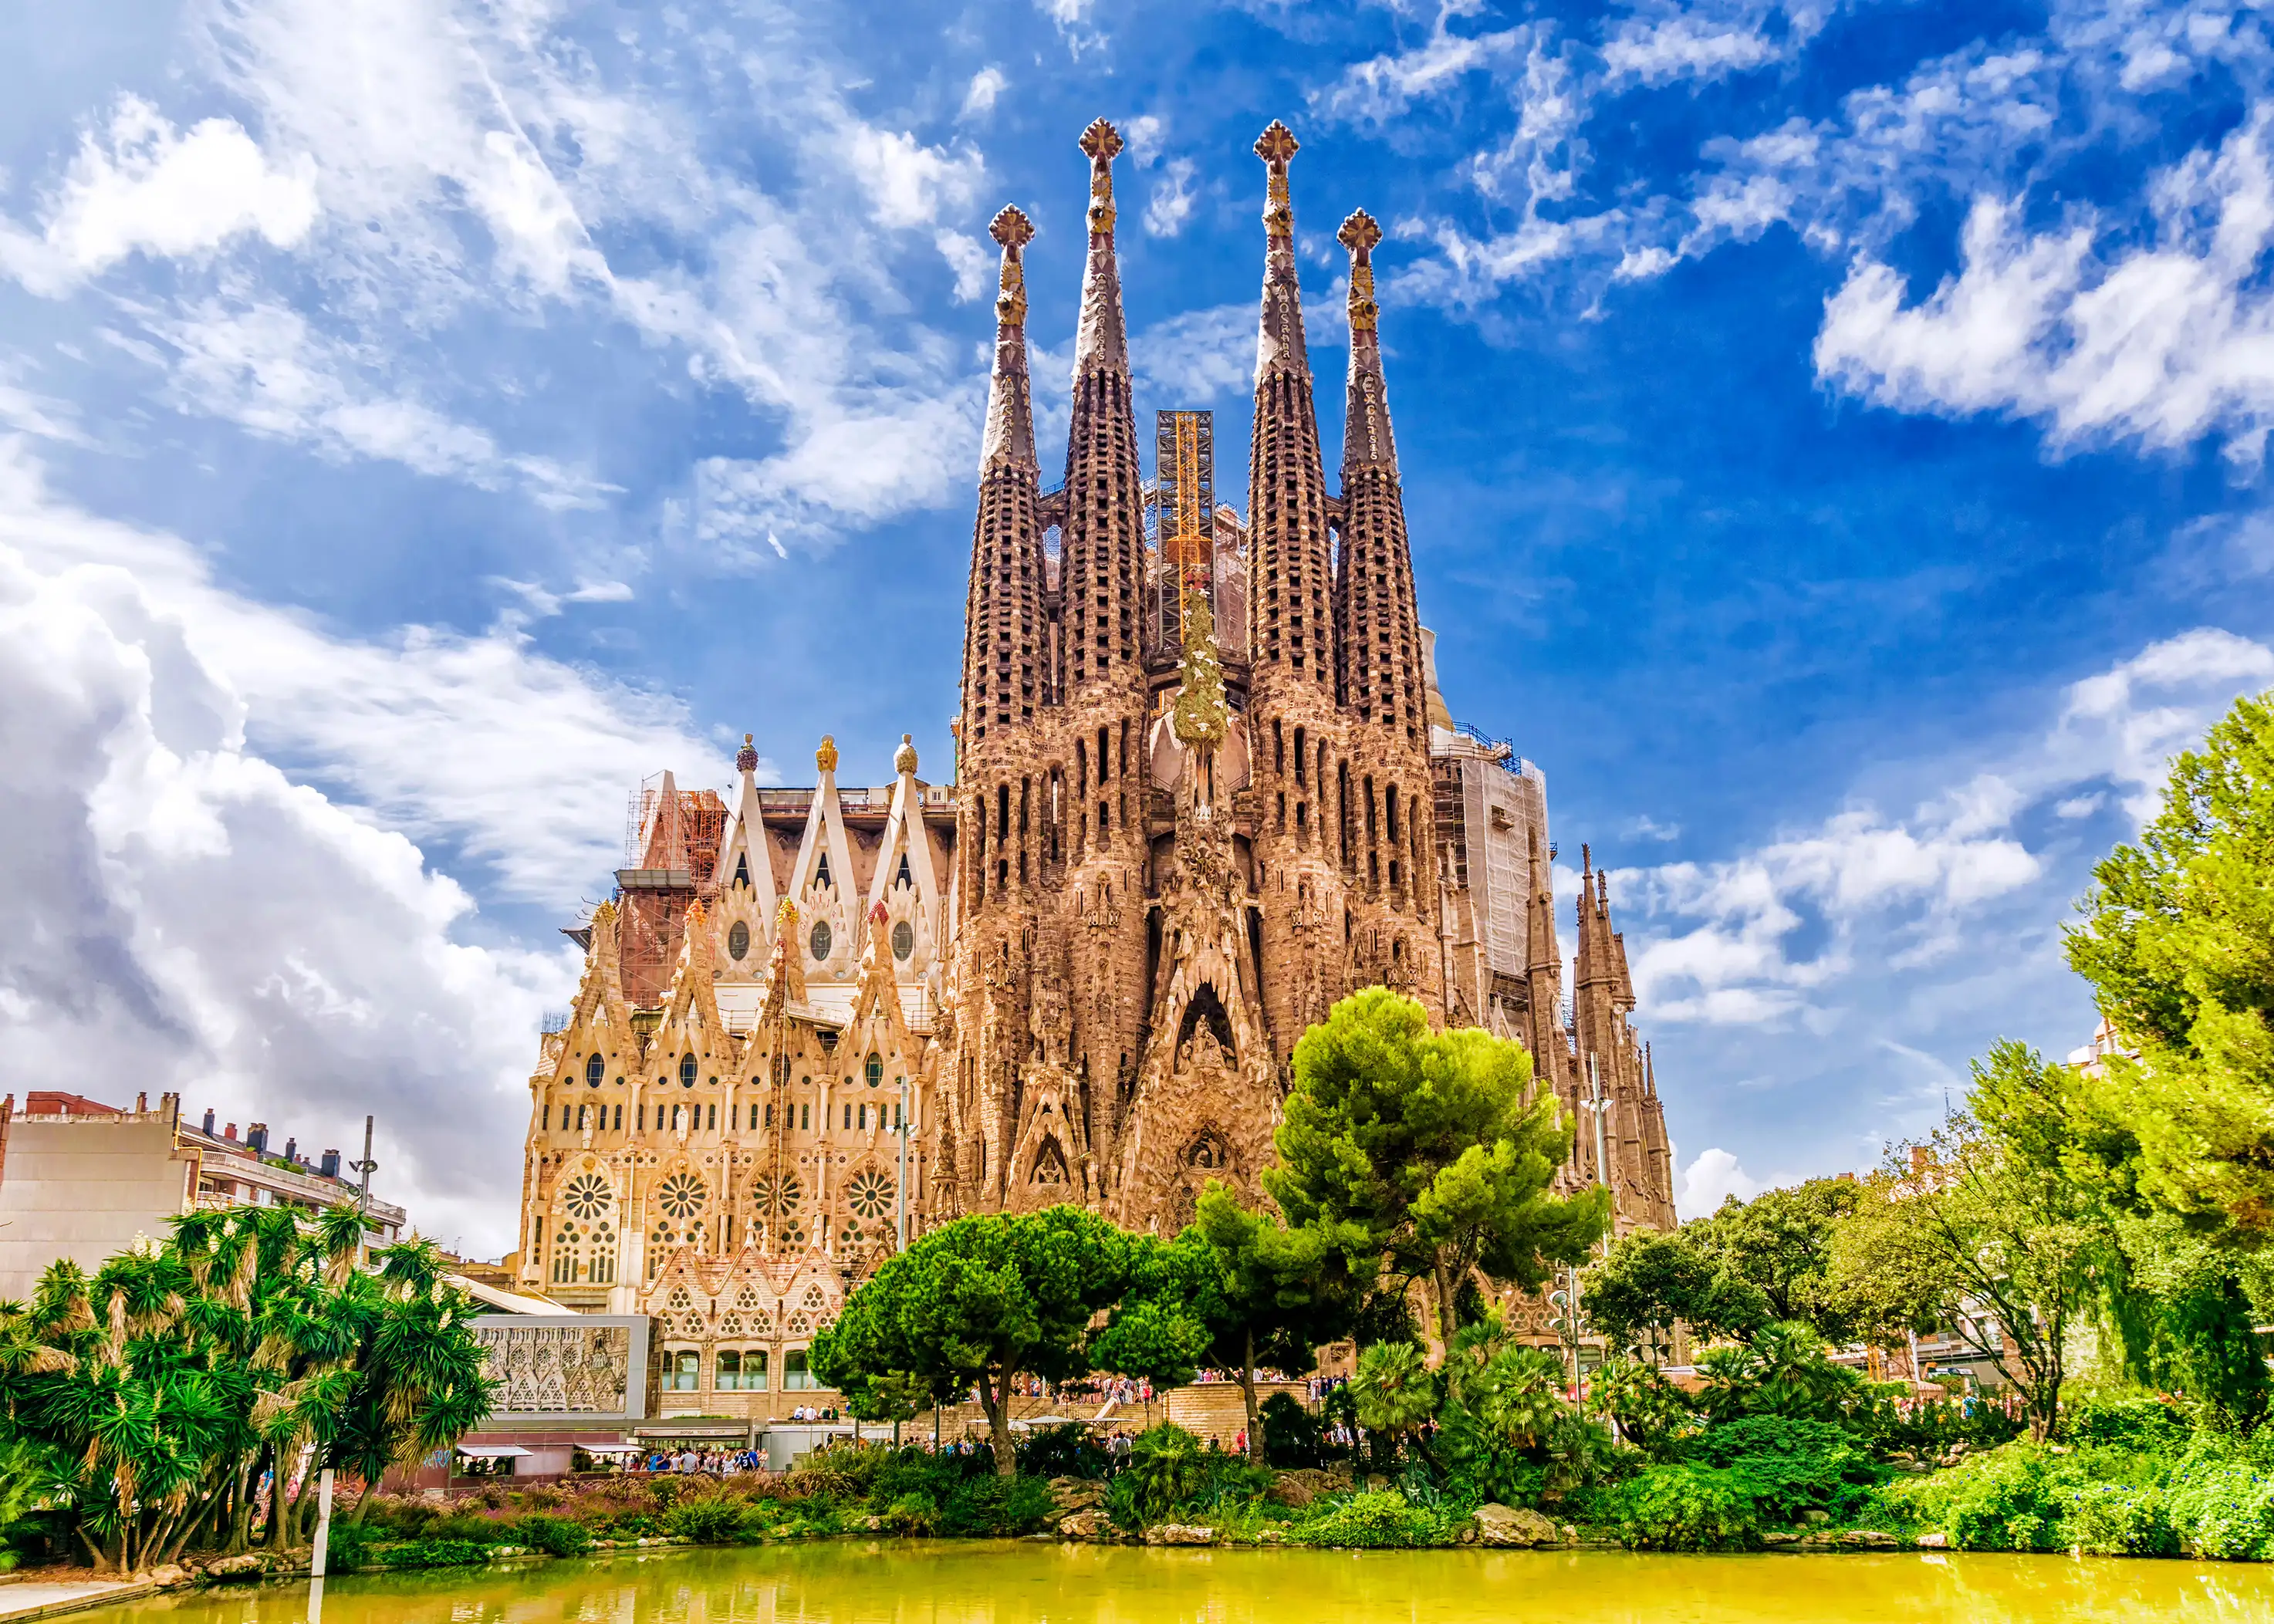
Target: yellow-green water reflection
x=892 y=1582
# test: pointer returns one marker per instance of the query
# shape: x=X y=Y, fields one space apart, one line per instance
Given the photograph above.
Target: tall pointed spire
x=1010 y=438
x=1365 y=436
x=1101 y=582
x=1291 y=625
x=1379 y=627
x=1102 y=338
x=1004 y=639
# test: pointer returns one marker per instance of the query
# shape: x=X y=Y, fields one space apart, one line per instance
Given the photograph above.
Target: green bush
x=1067 y=1451
x=2118 y=1519
x=1687 y=1508
x=1789 y=1467
x=2005 y=1500
x=1291 y=1434
x=348 y=1546
x=1381 y=1520
x=912 y=1515
x=710 y=1520
x=554 y=1534
x=1165 y=1467
x=435 y=1553
x=2221 y=1503
x=994 y=1506
x=2142 y=1425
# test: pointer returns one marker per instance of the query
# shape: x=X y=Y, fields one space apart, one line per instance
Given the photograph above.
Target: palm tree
x=1396 y=1392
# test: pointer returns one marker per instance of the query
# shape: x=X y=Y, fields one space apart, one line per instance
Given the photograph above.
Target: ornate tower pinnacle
x=1010 y=437
x=1101 y=340
x=1378 y=624
x=1005 y=639
x=1281 y=341
x=1291 y=628
x=1366 y=438
x=1102 y=549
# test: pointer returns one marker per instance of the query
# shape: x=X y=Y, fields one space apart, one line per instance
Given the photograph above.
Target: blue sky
x=1833 y=435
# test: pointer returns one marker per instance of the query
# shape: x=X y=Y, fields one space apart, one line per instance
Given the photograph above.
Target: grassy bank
x=2135 y=1482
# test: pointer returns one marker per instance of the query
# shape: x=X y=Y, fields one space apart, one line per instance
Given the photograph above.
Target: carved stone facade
x=1166 y=851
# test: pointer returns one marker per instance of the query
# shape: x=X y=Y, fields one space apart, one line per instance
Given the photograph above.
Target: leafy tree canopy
x=2178 y=941
x=1436 y=1144
x=982 y=1300
x=1237 y=1289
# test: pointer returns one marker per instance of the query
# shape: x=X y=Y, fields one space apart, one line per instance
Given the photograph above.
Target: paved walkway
x=33 y=1598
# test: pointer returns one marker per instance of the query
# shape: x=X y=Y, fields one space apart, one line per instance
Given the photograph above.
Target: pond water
x=845 y=1581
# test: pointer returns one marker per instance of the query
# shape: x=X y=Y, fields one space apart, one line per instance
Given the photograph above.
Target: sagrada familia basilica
x=1205 y=786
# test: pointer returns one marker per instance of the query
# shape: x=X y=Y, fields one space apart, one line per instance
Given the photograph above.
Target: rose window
x=770 y=1197
x=682 y=1195
x=871 y=1194
x=588 y=1196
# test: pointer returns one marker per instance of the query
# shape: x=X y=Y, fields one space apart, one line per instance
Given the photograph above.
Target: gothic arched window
x=874 y=1070
x=595 y=1069
x=687 y=1071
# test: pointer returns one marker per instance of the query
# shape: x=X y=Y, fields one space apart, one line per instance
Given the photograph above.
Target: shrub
x=556 y=1536
x=2120 y=1519
x=1382 y=1520
x=911 y=1515
x=713 y=1519
x=1165 y=1467
x=2221 y=1503
x=1789 y=1467
x=2143 y=1425
x=348 y=1546
x=1687 y=1508
x=1290 y=1433
x=2001 y=1501
x=992 y=1506
x=1066 y=1451
x=435 y=1553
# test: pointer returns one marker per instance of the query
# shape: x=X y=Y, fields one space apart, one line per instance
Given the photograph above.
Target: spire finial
x=746 y=759
x=1014 y=230
x=825 y=757
x=904 y=759
x=1100 y=142
x=1360 y=234
x=1275 y=147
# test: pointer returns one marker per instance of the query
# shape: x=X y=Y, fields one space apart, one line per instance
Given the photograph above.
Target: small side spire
x=1366 y=433
x=1101 y=340
x=1010 y=437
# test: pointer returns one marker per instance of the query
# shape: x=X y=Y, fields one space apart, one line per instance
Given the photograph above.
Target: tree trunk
x=1248 y=1392
x=995 y=1398
x=95 y=1551
x=240 y=1532
x=1447 y=1320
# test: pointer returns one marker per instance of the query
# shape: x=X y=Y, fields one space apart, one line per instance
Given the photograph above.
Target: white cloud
x=1684 y=47
x=909 y=183
x=1771 y=936
x=980 y=96
x=2162 y=344
x=178 y=914
x=1382 y=88
x=262 y=367
x=142 y=187
x=1709 y=1180
x=970 y=262
x=518 y=761
x=1172 y=202
x=1203 y=354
